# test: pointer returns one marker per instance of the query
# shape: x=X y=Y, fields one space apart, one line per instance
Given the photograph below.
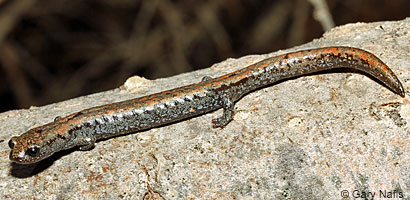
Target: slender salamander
x=85 y=127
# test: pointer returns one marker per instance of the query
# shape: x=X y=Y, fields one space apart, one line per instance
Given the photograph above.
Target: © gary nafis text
x=379 y=194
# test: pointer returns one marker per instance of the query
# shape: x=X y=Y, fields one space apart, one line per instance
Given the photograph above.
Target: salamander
x=87 y=126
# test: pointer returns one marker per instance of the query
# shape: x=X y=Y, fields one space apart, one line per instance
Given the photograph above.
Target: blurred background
x=52 y=50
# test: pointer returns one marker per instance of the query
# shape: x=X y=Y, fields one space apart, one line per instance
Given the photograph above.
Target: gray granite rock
x=313 y=137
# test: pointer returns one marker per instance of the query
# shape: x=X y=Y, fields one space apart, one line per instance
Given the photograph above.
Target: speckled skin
x=84 y=128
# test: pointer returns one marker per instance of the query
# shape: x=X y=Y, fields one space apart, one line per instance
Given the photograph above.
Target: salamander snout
x=23 y=153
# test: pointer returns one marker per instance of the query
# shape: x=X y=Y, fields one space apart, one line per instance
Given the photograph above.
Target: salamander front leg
x=227 y=116
x=86 y=143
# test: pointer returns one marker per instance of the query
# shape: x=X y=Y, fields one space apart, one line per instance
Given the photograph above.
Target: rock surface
x=314 y=137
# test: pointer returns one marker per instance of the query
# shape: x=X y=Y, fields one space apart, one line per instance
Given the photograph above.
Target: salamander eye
x=33 y=151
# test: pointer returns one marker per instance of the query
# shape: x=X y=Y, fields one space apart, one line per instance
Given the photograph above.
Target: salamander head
x=33 y=146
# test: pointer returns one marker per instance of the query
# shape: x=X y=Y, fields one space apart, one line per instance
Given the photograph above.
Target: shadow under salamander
x=25 y=171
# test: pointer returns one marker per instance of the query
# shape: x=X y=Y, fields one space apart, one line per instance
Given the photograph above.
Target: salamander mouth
x=15 y=158
x=20 y=159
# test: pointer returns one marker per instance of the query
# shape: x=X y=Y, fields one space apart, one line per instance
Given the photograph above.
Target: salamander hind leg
x=86 y=143
x=228 y=111
x=206 y=78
